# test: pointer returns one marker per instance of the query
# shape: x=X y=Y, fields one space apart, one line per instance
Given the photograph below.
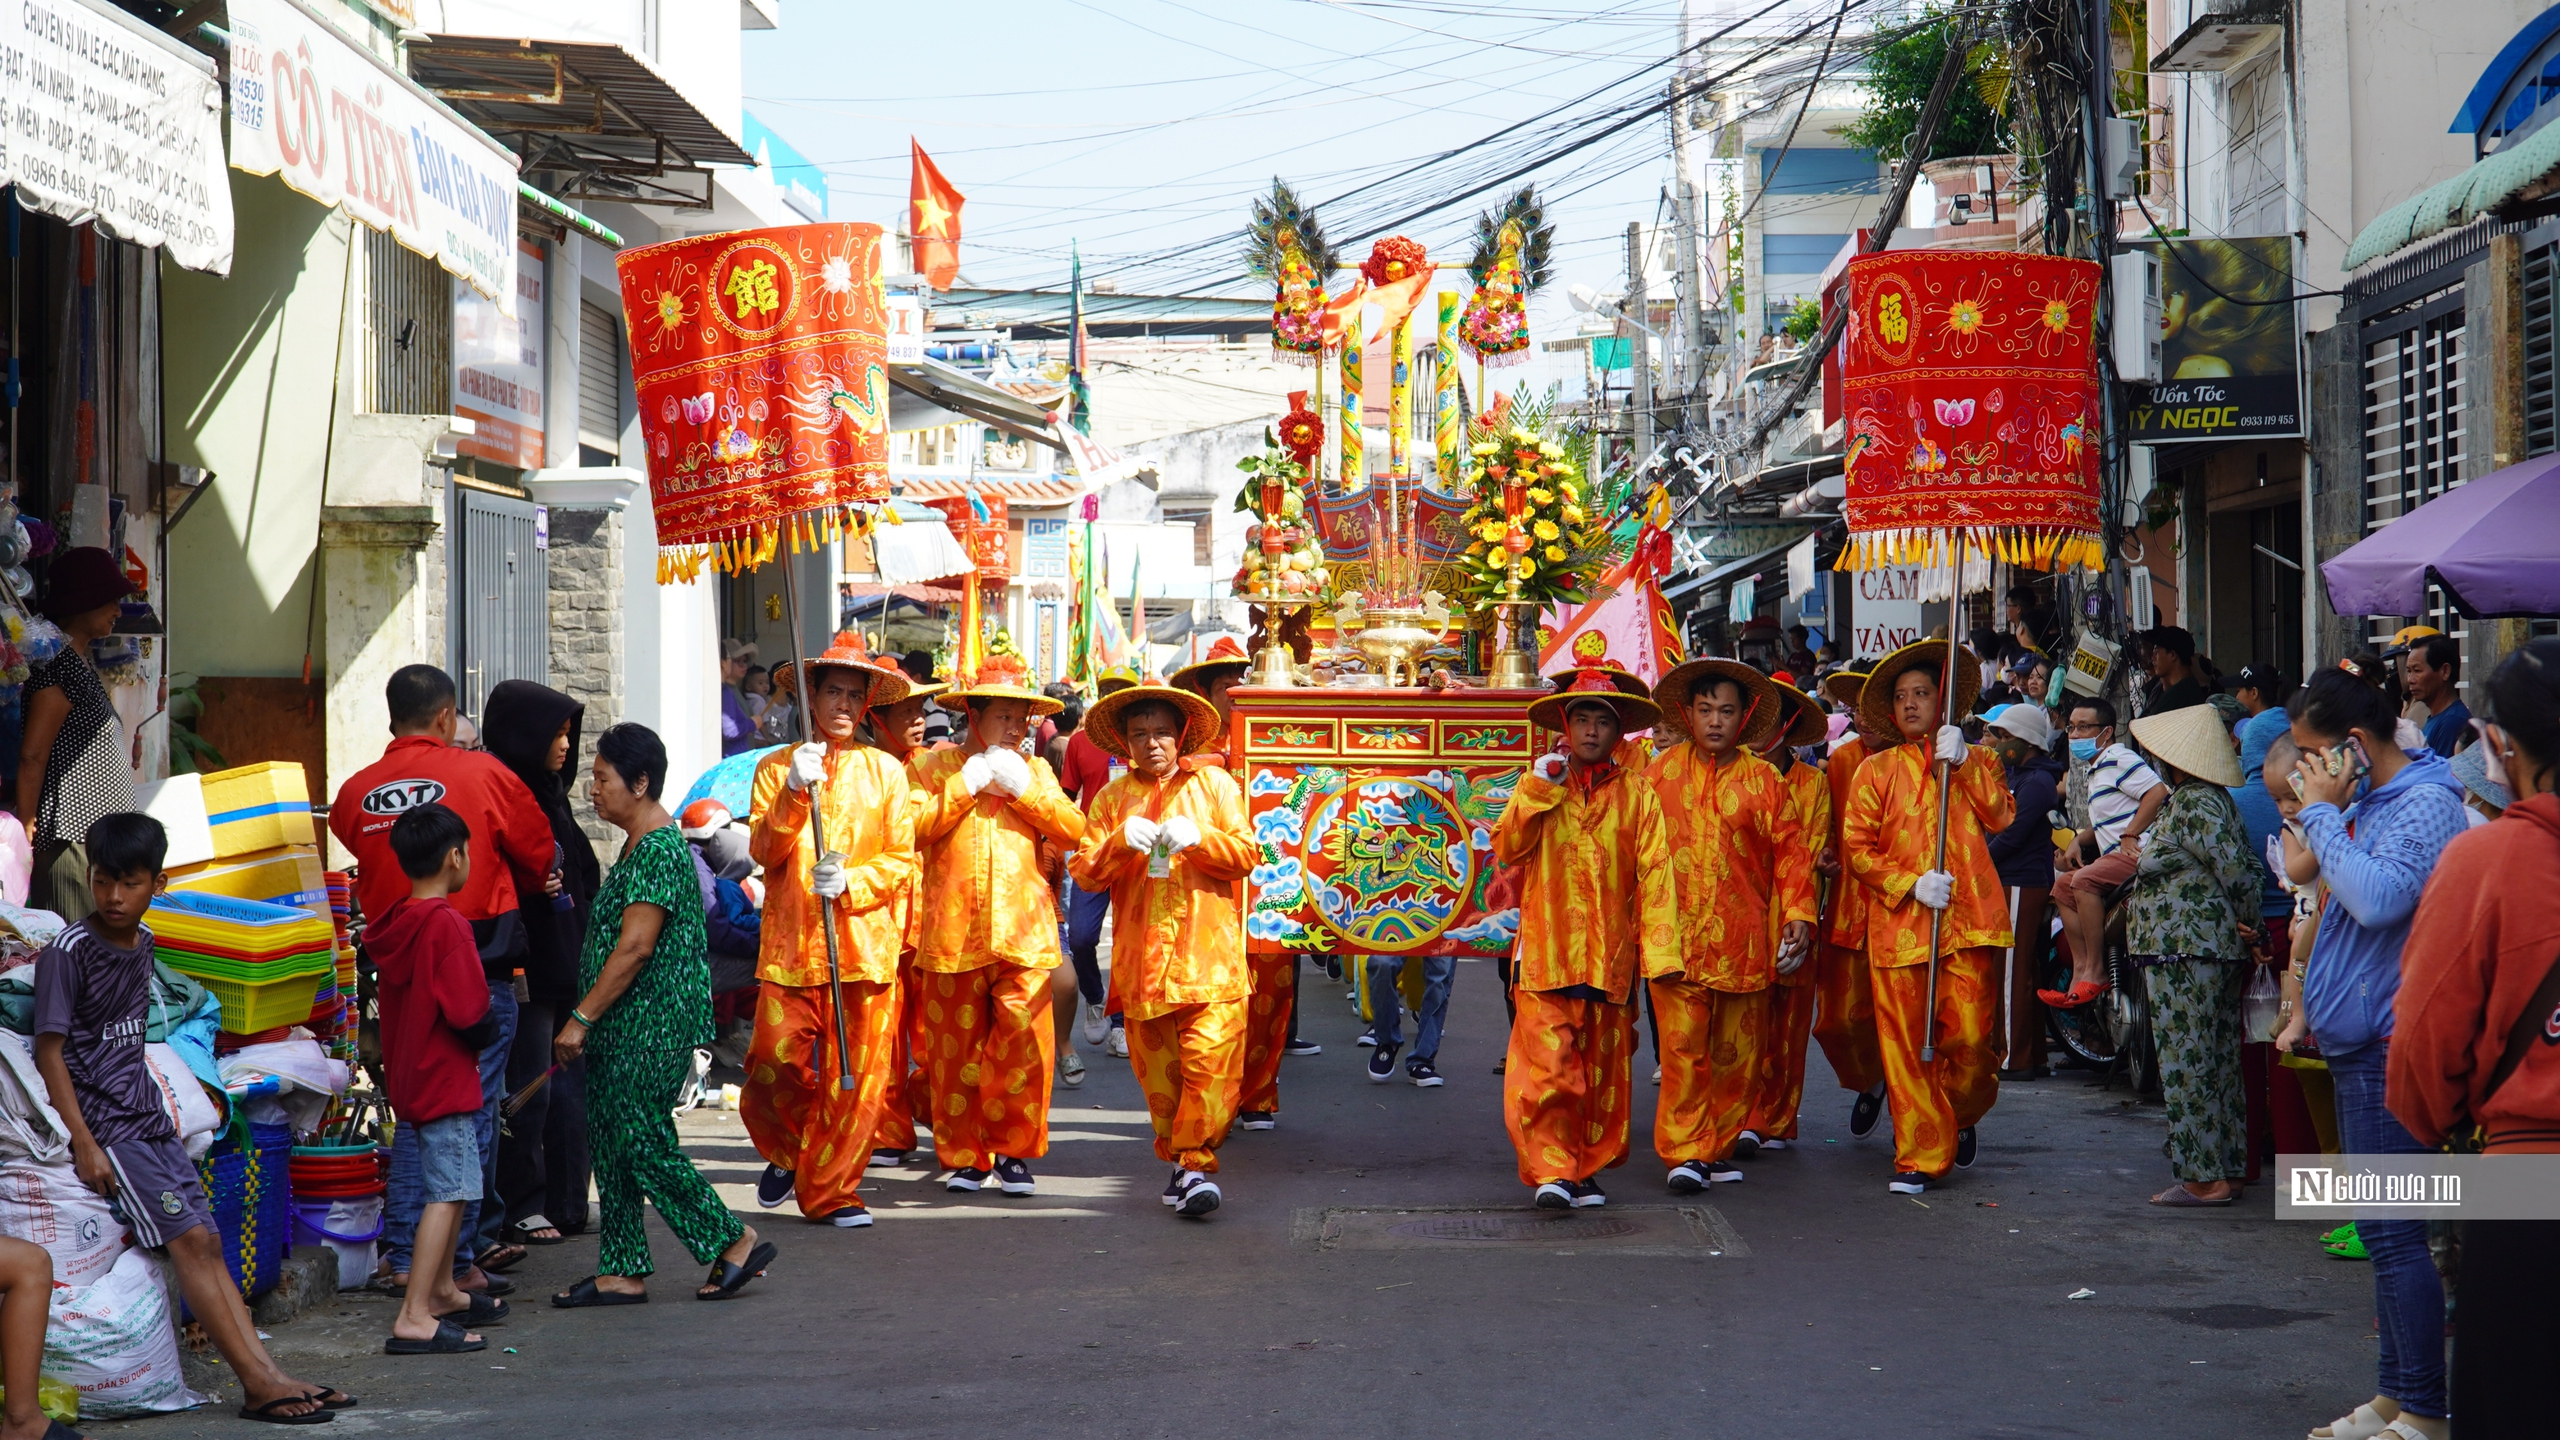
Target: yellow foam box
x=286 y=875
x=259 y=807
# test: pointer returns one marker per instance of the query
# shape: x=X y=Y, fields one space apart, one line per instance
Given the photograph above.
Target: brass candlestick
x=1512 y=667
x=1274 y=665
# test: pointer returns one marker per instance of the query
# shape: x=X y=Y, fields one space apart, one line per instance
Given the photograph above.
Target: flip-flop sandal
x=727 y=1279
x=449 y=1339
x=496 y=1287
x=343 y=1400
x=585 y=1296
x=481 y=1311
x=267 y=1413
x=2179 y=1197
x=2082 y=992
x=530 y=1230
x=501 y=1257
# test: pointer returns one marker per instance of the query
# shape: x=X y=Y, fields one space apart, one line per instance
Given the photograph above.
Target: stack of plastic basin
x=265 y=963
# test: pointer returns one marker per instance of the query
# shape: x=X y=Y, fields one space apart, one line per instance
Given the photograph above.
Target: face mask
x=2084 y=749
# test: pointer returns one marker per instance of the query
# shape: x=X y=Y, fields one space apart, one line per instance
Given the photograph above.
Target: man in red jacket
x=435 y=1017
x=508 y=833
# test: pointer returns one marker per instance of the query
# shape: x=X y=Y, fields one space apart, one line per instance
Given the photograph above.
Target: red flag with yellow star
x=933 y=218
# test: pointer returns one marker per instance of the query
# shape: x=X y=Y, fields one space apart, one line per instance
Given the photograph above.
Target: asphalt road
x=1375 y=1271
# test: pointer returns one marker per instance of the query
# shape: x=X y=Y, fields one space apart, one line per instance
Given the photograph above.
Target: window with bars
x=407 y=350
x=2413 y=428
x=2541 y=376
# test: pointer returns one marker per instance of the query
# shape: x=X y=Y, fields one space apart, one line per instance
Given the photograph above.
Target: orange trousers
x=1782 y=1056
x=909 y=1095
x=799 y=1118
x=1844 y=1018
x=1266 y=1028
x=1711 y=1043
x=1566 y=1096
x=1933 y=1100
x=1190 y=1063
x=987 y=1043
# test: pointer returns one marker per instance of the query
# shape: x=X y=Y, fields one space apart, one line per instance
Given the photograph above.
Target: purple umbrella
x=2494 y=545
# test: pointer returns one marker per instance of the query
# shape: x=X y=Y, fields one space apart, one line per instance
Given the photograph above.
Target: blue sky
x=1142 y=129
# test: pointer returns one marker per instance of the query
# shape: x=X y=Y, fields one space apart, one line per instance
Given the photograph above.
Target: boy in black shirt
x=93 y=987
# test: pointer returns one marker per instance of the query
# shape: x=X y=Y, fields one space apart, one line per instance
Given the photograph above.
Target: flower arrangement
x=1530 y=519
x=1281 y=559
x=1397 y=257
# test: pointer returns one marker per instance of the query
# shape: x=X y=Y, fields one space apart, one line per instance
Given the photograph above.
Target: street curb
x=310 y=1278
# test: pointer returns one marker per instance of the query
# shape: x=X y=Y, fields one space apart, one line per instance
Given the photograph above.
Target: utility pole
x=1684 y=198
x=1640 y=340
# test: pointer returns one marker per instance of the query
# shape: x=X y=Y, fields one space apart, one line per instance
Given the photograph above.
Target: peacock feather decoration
x=1285 y=245
x=1513 y=257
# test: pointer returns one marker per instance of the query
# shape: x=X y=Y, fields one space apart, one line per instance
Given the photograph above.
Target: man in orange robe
x=1844 y=1020
x=898 y=732
x=1169 y=841
x=990 y=933
x=1735 y=854
x=814 y=1130
x=1596 y=911
x=1772 y=1125
x=1891 y=839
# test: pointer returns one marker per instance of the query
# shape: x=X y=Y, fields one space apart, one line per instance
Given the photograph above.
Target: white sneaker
x=1095 y=1024
x=1118 y=1042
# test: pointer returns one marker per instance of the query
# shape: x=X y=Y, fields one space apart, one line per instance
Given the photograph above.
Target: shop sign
x=497 y=367
x=108 y=120
x=1885 y=615
x=2230 y=347
x=349 y=131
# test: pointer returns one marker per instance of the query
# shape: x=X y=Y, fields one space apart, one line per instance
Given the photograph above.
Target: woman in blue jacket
x=2376 y=817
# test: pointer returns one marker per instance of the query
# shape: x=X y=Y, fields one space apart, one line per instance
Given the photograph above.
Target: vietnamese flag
x=933 y=219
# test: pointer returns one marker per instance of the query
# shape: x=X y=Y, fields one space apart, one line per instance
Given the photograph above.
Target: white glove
x=1951 y=746
x=1791 y=958
x=1140 y=834
x=828 y=879
x=808 y=765
x=1934 y=889
x=976 y=773
x=1012 y=772
x=1181 y=834
x=1549 y=768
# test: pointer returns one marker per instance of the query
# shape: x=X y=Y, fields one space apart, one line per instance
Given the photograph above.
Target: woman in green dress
x=646 y=981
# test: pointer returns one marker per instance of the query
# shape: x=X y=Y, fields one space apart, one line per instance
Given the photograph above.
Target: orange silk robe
x=1809 y=805
x=870 y=821
x=1180 y=940
x=985 y=898
x=1735 y=852
x=1891 y=838
x=1847 y=921
x=1596 y=901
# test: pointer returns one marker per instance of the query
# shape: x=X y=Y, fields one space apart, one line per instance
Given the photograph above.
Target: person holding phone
x=2377 y=818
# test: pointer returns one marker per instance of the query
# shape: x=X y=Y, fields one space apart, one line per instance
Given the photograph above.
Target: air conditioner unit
x=2123 y=156
x=2137 y=316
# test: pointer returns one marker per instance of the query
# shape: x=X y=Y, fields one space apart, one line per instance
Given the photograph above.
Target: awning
x=917 y=551
x=2492 y=546
x=957 y=390
x=1031 y=490
x=921 y=594
x=2458 y=201
x=112 y=122
x=419 y=172
x=589 y=110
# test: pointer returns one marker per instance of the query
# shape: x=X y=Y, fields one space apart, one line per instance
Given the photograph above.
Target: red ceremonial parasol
x=761 y=364
x=1970 y=388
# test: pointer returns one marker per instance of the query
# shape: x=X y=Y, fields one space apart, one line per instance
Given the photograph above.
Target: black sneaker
x=1257 y=1120
x=773 y=1187
x=1863 y=1113
x=1554 y=1195
x=1908 y=1182
x=1013 y=1176
x=855 y=1216
x=888 y=1159
x=1199 y=1196
x=1967 y=1146
x=1423 y=1073
x=1688 y=1177
x=965 y=1181
x=1724 y=1172
x=1587 y=1194
x=1305 y=1047
x=1746 y=1145
x=1382 y=1064
x=1173 y=1187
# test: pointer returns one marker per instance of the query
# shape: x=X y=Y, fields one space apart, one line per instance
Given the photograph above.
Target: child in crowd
x=435 y=1021
x=93 y=985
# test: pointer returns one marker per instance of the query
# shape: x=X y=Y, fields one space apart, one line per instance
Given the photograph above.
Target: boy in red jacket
x=435 y=1019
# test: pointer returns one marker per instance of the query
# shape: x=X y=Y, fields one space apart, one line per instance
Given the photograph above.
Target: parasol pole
x=1946 y=775
x=818 y=836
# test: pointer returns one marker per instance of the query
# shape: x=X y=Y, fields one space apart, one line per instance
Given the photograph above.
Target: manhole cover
x=1515 y=1228
x=1660 y=1230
